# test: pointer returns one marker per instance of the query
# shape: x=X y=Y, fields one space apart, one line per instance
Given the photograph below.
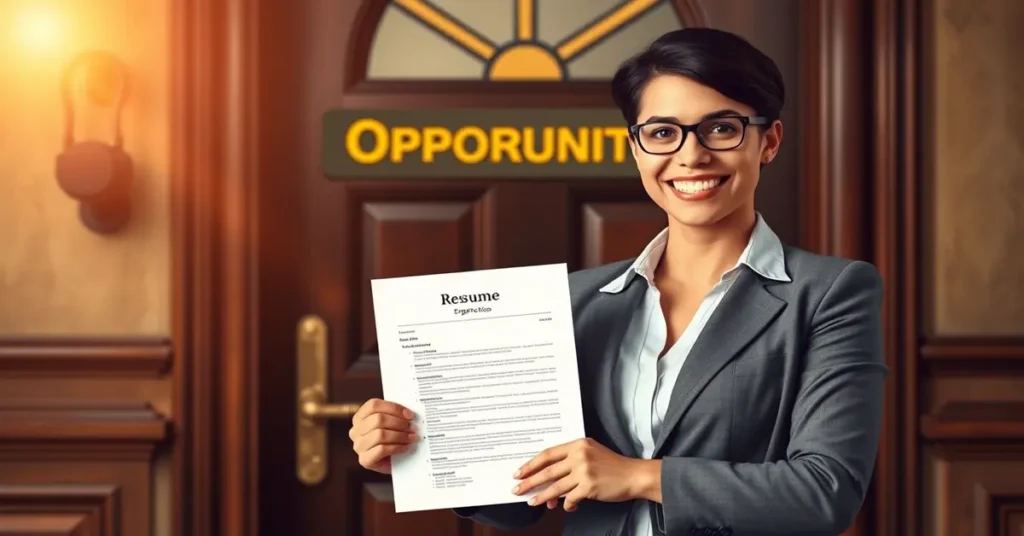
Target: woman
x=731 y=384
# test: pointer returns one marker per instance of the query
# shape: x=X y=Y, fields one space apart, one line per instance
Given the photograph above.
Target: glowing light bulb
x=39 y=28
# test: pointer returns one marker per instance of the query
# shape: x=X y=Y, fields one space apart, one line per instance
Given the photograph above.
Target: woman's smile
x=697 y=188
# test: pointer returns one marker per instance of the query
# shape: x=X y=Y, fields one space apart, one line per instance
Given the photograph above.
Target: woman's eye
x=663 y=132
x=723 y=128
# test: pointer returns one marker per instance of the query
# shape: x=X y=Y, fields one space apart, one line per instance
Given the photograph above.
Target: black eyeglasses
x=717 y=134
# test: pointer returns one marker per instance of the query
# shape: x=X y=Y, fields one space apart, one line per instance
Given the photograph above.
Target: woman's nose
x=692 y=153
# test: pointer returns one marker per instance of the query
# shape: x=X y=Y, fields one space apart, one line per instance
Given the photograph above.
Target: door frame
x=847 y=180
x=214 y=259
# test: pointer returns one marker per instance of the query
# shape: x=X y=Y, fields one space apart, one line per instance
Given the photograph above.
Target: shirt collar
x=763 y=254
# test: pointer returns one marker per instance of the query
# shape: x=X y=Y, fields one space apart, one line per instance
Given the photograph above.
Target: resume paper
x=487 y=361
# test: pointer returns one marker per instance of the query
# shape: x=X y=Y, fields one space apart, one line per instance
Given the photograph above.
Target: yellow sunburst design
x=525 y=58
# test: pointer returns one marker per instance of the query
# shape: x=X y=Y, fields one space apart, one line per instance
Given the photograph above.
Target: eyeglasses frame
x=746 y=121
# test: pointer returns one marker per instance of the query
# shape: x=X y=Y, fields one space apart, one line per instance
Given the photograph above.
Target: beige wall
x=56 y=277
x=976 y=135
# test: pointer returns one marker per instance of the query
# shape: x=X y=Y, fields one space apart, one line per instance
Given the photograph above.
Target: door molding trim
x=91 y=357
x=213 y=196
x=860 y=73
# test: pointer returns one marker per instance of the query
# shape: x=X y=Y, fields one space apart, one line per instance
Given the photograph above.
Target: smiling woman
x=732 y=383
x=717 y=101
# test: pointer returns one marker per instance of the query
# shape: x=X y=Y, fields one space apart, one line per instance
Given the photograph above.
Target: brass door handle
x=312 y=412
x=314 y=407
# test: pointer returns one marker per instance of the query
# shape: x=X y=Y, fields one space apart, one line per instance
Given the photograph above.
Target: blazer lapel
x=612 y=313
x=741 y=316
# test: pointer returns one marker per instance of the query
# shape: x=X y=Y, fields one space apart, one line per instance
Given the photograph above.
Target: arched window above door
x=517 y=40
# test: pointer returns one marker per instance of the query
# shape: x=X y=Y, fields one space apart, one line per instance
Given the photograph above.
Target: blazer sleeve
x=510 y=516
x=835 y=429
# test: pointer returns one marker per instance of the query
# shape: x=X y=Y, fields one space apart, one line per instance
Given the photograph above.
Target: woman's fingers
x=550 y=473
x=380 y=429
x=376 y=405
x=370 y=458
x=551 y=493
x=381 y=436
x=379 y=421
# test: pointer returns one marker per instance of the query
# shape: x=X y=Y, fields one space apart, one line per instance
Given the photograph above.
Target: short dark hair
x=718 y=59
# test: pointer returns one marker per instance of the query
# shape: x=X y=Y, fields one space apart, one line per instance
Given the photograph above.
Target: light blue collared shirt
x=644 y=382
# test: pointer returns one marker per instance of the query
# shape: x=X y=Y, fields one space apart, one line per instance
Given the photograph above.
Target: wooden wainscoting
x=79 y=434
x=973 y=432
x=84 y=357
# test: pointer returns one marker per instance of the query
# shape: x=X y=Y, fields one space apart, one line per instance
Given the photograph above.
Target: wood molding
x=851 y=87
x=214 y=148
x=884 y=210
x=834 y=82
x=906 y=235
x=999 y=511
x=974 y=489
x=975 y=422
x=974 y=349
x=433 y=94
x=98 y=483
x=72 y=509
x=61 y=357
x=972 y=355
x=51 y=422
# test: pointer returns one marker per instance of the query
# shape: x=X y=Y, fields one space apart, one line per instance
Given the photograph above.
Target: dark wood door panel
x=412 y=238
x=60 y=510
x=613 y=231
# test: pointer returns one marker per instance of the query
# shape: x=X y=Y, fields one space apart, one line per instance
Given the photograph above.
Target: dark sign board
x=470 y=143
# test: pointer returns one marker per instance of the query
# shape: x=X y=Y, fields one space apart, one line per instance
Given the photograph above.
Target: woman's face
x=697 y=186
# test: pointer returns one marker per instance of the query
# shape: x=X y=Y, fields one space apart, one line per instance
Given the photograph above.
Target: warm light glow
x=39 y=28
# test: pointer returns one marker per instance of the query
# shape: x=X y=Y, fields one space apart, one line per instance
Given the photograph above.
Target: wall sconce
x=95 y=173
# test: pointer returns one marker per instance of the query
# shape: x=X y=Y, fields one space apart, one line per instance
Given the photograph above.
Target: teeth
x=692 y=187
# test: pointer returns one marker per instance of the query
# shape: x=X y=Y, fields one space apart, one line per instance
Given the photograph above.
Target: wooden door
x=322 y=240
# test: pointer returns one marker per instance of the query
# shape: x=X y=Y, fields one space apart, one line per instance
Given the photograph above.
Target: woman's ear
x=771 y=142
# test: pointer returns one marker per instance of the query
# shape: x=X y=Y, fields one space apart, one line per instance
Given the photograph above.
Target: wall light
x=97 y=174
x=39 y=28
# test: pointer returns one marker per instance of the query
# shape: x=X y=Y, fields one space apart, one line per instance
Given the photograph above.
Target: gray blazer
x=774 y=422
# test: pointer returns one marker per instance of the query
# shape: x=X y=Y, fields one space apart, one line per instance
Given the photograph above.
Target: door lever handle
x=314 y=406
x=312 y=412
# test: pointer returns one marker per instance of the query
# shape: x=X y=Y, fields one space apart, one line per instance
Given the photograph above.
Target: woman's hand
x=380 y=429
x=582 y=469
